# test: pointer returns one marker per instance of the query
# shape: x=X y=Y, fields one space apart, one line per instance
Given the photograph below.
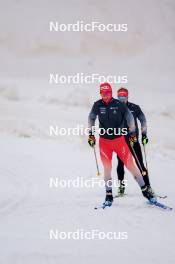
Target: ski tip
x=160 y=205
x=162 y=196
x=104 y=205
x=170 y=208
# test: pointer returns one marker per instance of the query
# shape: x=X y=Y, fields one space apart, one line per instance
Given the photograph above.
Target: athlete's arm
x=130 y=121
x=92 y=117
x=142 y=119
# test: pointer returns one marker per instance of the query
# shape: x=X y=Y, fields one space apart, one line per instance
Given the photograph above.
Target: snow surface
x=29 y=208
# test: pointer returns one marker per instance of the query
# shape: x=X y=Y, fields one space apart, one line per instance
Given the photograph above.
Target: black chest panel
x=111 y=115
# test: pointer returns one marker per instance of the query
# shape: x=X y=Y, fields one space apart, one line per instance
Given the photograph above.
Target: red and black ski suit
x=113 y=116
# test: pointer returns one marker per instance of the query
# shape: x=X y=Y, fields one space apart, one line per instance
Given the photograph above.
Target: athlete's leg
x=106 y=158
x=138 y=151
x=120 y=169
x=124 y=153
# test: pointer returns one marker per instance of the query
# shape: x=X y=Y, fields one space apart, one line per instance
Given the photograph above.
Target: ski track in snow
x=29 y=156
x=29 y=208
x=37 y=209
x=16 y=191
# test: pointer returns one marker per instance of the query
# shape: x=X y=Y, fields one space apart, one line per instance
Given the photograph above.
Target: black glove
x=144 y=139
x=91 y=140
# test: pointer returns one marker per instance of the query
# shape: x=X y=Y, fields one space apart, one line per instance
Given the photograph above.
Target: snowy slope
x=29 y=208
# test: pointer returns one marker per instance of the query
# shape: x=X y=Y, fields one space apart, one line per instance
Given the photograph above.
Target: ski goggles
x=123 y=98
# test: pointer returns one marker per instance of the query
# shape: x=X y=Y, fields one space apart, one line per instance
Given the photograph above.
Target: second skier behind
x=137 y=113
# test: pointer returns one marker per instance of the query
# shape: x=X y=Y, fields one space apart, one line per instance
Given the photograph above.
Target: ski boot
x=108 y=199
x=121 y=190
x=151 y=190
x=148 y=193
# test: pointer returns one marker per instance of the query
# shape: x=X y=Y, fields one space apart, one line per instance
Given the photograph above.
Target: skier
x=137 y=113
x=112 y=114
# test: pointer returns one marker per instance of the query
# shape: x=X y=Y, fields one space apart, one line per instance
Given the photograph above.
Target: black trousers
x=138 y=151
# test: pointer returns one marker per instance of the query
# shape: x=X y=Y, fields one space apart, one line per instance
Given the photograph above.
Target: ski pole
x=96 y=161
x=145 y=158
x=138 y=162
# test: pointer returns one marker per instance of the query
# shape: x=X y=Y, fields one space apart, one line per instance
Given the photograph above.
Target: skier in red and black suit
x=137 y=113
x=112 y=114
